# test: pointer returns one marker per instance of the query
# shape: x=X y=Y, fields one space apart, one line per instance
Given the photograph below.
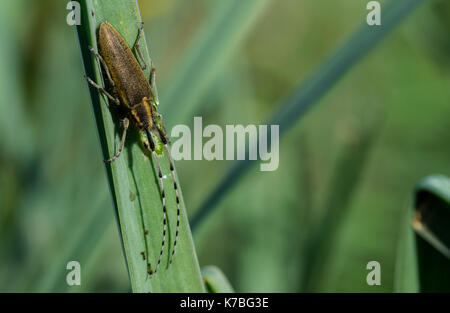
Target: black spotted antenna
x=163 y=197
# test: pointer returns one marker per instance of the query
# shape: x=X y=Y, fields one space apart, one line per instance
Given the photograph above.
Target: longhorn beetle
x=137 y=96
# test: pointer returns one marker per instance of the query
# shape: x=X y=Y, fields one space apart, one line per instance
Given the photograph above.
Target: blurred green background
x=346 y=172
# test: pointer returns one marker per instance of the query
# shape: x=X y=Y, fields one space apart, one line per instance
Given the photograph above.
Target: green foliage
x=343 y=181
x=308 y=94
x=337 y=189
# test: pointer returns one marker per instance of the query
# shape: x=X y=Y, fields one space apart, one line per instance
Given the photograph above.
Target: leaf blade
x=133 y=183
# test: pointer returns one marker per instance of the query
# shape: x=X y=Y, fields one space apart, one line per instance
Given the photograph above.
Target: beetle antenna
x=175 y=187
x=163 y=196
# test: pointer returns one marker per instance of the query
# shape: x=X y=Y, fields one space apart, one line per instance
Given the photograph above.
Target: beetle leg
x=152 y=77
x=102 y=90
x=153 y=84
x=125 y=123
x=103 y=63
x=138 y=47
x=152 y=72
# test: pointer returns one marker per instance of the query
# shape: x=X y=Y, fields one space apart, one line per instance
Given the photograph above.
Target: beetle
x=137 y=96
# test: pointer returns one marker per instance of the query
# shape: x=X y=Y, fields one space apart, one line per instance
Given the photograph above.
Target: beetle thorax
x=142 y=114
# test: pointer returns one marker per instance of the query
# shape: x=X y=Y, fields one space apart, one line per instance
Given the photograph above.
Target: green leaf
x=431 y=224
x=134 y=185
x=215 y=280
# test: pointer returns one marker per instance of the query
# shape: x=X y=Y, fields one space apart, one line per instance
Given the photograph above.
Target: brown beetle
x=136 y=95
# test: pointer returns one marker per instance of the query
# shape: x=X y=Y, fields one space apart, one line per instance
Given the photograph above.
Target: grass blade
x=132 y=180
